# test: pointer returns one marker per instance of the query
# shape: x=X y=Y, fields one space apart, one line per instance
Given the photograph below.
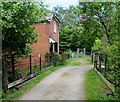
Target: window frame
x=55 y=27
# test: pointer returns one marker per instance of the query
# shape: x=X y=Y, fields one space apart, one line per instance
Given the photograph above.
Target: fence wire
x=23 y=66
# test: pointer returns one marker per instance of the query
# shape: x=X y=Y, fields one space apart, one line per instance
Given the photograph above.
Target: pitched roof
x=49 y=18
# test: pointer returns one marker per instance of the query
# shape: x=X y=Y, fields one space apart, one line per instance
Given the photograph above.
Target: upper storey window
x=54 y=27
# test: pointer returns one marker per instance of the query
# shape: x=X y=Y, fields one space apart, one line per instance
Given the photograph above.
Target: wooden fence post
x=95 y=64
x=53 y=61
x=100 y=62
x=95 y=61
x=40 y=61
x=92 y=56
x=105 y=65
x=84 y=52
x=4 y=75
x=13 y=68
x=30 y=64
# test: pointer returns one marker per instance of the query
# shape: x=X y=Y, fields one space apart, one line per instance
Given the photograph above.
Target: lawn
x=96 y=88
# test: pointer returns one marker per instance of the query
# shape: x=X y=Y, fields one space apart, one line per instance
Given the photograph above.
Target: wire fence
x=23 y=66
x=103 y=65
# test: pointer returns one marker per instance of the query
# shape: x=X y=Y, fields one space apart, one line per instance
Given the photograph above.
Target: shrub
x=54 y=58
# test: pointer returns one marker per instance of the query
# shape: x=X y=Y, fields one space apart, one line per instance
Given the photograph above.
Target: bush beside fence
x=103 y=65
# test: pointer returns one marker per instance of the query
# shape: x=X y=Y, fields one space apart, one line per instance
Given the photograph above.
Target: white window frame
x=55 y=26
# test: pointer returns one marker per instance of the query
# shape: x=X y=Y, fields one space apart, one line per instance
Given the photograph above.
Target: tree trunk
x=5 y=75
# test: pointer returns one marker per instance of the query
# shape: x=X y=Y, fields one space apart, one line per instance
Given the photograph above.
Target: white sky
x=66 y=3
x=63 y=3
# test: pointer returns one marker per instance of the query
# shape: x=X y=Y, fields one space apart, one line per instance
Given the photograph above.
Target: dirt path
x=64 y=84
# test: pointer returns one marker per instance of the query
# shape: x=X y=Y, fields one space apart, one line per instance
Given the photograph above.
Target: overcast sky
x=63 y=3
x=66 y=3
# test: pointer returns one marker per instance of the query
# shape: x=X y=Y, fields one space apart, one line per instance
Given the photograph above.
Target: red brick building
x=49 y=39
x=47 y=42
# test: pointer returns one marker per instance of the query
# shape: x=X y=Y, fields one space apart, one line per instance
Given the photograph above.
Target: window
x=54 y=27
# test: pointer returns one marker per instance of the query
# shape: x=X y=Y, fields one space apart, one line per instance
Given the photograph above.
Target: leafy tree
x=70 y=28
x=74 y=33
x=106 y=16
x=17 y=31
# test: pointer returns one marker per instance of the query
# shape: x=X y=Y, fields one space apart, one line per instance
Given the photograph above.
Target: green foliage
x=55 y=58
x=17 y=30
x=105 y=25
x=81 y=54
x=75 y=34
x=97 y=45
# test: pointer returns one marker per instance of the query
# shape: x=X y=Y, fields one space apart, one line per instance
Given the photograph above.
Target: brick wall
x=43 y=46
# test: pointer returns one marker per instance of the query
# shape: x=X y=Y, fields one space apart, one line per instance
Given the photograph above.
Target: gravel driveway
x=64 y=84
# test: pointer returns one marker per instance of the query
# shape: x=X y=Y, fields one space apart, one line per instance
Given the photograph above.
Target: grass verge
x=75 y=62
x=14 y=94
x=96 y=88
x=88 y=60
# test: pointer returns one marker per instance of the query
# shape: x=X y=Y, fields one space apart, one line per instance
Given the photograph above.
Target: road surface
x=64 y=84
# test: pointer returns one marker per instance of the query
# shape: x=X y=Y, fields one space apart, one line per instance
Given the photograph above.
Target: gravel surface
x=64 y=84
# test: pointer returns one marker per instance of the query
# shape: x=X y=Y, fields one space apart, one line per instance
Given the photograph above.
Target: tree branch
x=106 y=30
x=103 y=23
